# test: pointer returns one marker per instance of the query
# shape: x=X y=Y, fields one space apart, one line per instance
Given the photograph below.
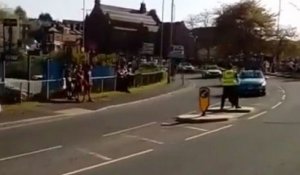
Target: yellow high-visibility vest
x=229 y=78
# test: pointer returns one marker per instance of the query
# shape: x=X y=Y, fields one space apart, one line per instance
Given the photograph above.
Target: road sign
x=204 y=99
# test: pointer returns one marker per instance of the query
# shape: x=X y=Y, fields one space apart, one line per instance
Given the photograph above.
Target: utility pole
x=162 y=30
x=171 y=41
x=83 y=29
x=279 y=15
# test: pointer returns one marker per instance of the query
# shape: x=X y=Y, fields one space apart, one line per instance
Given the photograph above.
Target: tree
x=205 y=18
x=21 y=13
x=45 y=17
x=243 y=27
x=192 y=21
x=284 y=36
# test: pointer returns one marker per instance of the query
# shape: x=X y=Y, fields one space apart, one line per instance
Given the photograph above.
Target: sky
x=72 y=9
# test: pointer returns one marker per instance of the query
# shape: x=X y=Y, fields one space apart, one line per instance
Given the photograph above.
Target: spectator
x=88 y=82
x=79 y=88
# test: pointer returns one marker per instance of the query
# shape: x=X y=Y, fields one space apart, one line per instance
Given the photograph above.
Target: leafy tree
x=21 y=13
x=243 y=27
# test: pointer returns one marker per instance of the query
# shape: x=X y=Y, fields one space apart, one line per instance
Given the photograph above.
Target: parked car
x=211 y=71
x=252 y=82
x=186 y=67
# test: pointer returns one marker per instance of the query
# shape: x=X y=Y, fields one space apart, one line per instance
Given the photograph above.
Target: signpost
x=204 y=99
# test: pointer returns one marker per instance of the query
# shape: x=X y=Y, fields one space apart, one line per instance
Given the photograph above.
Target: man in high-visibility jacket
x=230 y=84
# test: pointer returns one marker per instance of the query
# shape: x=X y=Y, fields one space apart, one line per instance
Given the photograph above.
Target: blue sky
x=71 y=9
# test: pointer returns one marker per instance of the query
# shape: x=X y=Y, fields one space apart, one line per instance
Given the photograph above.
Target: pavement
x=130 y=139
x=60 y=107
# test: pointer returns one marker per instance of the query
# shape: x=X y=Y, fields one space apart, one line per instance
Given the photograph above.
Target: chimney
x=143 y=8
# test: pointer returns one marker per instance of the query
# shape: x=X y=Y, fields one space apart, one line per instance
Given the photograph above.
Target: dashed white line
x=283 y=97
x=145 y=139
x=108 y=162
x=195 y=128
x=257 y=115
x=209 y=132
x=30 y=153
x=129 y=129
x=277 y=105
x=94 y=154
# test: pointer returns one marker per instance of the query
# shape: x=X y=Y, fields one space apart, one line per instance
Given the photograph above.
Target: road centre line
x=283 y=97
x=31 y=153
x=195 y=128
x=257 y=115
x=277 y=105
x=108 y=162
x=129 y=129
x=145 y=139
x=209 y=132
x=94 y=154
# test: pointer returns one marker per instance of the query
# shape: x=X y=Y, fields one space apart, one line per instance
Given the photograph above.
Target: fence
x=17 y=90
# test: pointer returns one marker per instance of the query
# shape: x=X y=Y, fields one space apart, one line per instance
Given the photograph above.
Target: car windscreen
x=244 y=75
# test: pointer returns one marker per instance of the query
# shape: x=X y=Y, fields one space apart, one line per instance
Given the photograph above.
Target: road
x=130 y=140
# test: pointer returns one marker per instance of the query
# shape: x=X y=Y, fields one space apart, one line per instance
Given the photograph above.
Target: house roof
x=131 y=16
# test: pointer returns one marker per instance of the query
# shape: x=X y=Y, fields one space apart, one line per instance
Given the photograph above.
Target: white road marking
x=281 y=89
x=257 y=115
x=209 y=132
x=277 y=105
x=145 y=139
x=30 y=153
x=60 y=117
x=129 y=129
x=109 y=162
x=94 y=154
x=195 y=128
x=283 y=97
x=215 y=104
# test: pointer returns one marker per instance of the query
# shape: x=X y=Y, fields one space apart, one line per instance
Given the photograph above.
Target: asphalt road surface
x=130 y=140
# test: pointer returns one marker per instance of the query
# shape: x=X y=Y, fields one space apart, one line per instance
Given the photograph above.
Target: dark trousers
x=231 y=93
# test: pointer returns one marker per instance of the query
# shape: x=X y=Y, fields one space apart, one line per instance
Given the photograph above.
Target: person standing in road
x=230 y=84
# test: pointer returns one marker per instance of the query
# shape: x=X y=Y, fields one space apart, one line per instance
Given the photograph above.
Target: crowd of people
x=78 y=81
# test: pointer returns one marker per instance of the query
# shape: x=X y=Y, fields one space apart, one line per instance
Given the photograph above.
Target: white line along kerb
x=209 y=132
x=277 y=105
x=257 y=115
x=129 y=129
x=109 y=162
x=31 y=153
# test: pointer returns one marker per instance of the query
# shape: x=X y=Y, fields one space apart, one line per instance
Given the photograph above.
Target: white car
x=211 y=71
x=186 y=67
